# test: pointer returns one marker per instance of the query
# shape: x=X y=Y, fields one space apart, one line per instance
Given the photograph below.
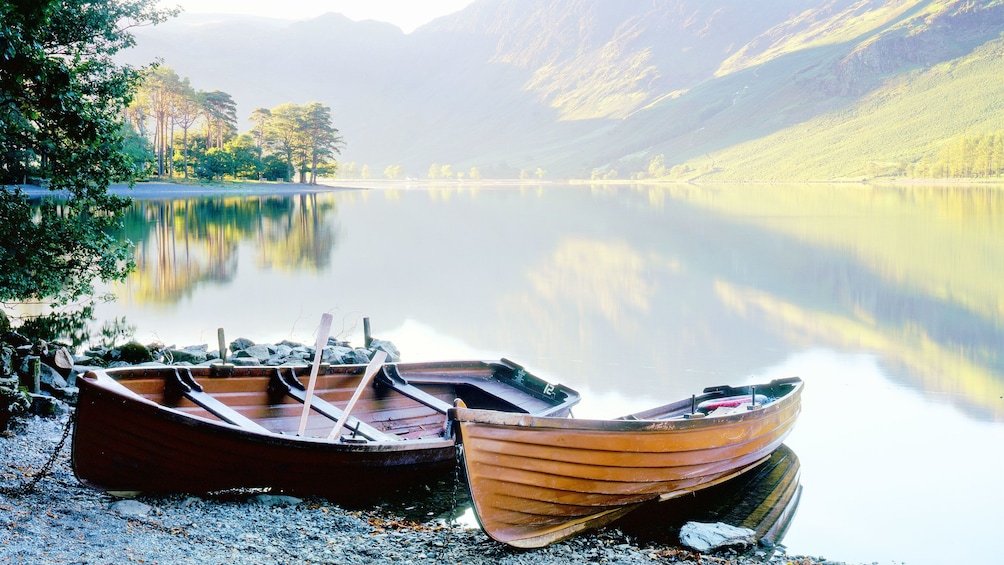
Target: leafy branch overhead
x=62 y=97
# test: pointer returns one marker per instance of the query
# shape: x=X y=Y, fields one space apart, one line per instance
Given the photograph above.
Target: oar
x=371 y=369
x=322 y=340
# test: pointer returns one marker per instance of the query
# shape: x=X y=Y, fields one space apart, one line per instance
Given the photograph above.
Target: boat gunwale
x=109 y=381
x=100 y=381
x=680 y=423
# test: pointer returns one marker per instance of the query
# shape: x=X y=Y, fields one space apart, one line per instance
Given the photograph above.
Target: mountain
x=722 y=89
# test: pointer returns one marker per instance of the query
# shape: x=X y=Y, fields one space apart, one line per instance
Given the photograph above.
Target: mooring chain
x=454 y=503
x=29 y=486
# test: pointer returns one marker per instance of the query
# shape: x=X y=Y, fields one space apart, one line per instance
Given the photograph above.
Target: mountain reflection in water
x=886 y=300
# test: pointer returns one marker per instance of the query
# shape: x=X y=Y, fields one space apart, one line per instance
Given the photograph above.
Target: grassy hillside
x=909 y=117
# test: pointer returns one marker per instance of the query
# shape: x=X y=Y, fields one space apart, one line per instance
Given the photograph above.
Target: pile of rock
x=39 y=377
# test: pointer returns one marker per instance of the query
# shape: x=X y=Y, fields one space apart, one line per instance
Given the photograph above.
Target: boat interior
x=403 y=401
x=721 y=401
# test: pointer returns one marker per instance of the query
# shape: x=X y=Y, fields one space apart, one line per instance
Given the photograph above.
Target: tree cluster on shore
x=178 y=131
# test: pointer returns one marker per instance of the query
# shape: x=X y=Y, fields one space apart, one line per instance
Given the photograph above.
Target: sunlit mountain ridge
x=722 y=89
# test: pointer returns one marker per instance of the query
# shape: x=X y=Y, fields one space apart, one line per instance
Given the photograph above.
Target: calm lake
x=888 y=302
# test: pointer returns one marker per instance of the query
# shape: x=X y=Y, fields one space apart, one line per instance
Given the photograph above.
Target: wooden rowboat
x=201 y=429
x=536 y=480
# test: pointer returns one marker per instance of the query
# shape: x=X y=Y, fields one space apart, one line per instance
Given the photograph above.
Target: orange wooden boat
x=537 y=480
x=201 y=429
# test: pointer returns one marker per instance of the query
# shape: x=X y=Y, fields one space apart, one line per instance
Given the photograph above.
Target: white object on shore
x=706 y=537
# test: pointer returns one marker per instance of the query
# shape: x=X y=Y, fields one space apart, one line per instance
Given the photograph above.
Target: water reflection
x=763 y=500
x=670 y=287
x=888 y=474
x=184 y=243
x=886 y=301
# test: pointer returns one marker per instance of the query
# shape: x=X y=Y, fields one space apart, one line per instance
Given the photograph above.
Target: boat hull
x=133 y=434
x=129 y=446
x=534 y=481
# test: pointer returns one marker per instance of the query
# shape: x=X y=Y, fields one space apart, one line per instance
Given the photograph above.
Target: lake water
x=888 y=302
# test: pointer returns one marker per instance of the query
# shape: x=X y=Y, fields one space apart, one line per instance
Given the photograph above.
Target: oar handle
x=322 y=340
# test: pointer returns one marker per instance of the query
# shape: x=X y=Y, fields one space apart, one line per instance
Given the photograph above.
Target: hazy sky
x=406 y=14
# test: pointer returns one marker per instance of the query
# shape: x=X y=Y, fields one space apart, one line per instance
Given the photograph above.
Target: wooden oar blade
x=374 y=365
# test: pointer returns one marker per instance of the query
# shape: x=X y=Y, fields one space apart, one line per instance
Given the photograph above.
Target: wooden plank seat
x=184 y=383
x=390 y=377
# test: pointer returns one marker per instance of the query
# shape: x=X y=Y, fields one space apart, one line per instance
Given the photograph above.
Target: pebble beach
x=47 y=516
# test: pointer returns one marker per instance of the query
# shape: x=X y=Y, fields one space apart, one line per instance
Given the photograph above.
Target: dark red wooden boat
x=536 y=480
x=202 y=429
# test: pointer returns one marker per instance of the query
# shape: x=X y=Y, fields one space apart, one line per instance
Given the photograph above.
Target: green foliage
x=135 y=353
x=114 y=330
x=70 y=325
x=788 y=128
x=245 y=157
x=138 y=149
x=393 y=172
x=62 y=97
x=303 y=136
x=966 y=156
x=274 y=168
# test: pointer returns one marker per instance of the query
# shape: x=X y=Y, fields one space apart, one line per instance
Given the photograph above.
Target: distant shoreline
x=159 y=189
x=164 y=189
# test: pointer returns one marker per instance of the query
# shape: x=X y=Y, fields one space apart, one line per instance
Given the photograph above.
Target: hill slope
x=792 y=89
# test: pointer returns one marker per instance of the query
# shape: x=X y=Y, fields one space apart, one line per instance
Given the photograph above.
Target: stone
x=244 y=361
x=68 y=394
x=240 y=344
x=259 y=352
x=186 y=355
x=130 y=508
x=336 y=354
x=708 y=537
x=50 y=378
x=134 y=352
x=357 y=356
x=275 y=500
x=6 y=361
x=63 y=359
x=45 y=405
x=391 y=350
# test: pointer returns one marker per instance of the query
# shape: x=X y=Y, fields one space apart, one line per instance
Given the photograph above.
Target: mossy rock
x=134 y=353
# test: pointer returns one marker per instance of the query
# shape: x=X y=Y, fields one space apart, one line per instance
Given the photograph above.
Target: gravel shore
x=58 y=520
